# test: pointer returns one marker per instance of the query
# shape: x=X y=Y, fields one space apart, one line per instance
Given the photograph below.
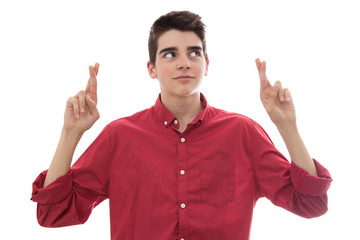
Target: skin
x=80 y=114
x=278 y=103
x=180 y=67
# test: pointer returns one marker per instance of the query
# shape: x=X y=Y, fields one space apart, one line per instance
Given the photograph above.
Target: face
x=180 y=63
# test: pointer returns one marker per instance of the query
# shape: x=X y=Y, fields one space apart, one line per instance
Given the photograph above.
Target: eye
x=169 y=55
x=195 y=54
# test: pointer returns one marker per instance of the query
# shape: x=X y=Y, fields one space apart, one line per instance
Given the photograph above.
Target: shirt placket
x=183 y=203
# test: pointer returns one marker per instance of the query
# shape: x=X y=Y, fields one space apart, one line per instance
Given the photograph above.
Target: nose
x=183 y=63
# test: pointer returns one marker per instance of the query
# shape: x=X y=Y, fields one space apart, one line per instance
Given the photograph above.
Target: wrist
x=287 y=127
x=71 y=134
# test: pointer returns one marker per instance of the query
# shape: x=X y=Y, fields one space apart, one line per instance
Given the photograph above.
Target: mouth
x=184 y=78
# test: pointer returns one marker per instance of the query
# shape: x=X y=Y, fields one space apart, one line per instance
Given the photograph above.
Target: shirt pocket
x=217 y=181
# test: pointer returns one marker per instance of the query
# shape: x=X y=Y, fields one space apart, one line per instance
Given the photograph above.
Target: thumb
x=92 y=107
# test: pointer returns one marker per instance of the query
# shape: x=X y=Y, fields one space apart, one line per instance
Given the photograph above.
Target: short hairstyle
x=178 y=20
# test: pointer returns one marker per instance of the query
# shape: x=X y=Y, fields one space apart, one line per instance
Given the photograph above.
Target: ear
x=152 y=70
x=206 y=67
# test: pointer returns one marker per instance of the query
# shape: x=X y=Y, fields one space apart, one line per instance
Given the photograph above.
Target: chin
x=188 y=93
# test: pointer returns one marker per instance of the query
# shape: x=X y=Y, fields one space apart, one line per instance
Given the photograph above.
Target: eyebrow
x=169 y=49
x=195 y=48
x=174 y=49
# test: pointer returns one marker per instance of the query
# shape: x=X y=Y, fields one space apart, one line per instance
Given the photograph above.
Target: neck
x=185 y=109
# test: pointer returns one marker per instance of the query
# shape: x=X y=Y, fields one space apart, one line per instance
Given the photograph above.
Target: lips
x=184 y=77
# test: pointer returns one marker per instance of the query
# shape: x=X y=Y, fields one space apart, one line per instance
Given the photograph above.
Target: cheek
x=163 y=70
x=200 y=68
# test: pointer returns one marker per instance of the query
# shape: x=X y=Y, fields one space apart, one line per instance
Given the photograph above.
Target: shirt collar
x=166 y=117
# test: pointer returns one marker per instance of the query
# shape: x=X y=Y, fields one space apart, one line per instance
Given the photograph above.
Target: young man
x=180 y=169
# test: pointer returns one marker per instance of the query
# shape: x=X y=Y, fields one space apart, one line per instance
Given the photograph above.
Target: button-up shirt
x=162 y=184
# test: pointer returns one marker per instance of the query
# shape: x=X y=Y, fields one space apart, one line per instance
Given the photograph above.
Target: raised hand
x=277 y=100
x=81 y=111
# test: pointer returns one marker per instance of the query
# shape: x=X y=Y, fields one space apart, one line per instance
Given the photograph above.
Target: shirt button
x=182 y=239
x=165 y=122
x=182 y=172
x=176 y=121
x=182 y=139
x=183 y=205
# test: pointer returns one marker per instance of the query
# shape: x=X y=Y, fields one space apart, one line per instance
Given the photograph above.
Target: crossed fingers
x=91 y=87
x=274 y=92
x=87 y=97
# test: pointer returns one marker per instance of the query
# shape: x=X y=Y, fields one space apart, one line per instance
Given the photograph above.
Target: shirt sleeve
x=285 y=184
x=70 y=199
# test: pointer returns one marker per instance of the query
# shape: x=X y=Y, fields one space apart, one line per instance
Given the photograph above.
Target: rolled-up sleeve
x=285 y=184
x=54 y=192
x=70 y=199
x=311 y=185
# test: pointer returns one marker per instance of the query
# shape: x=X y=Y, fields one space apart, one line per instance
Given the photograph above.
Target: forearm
x=296 y=147
x=61 y=161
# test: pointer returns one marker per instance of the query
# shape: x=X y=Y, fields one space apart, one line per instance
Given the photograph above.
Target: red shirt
x=166 y=185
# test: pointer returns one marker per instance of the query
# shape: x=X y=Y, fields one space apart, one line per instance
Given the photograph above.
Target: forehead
x=179 y=39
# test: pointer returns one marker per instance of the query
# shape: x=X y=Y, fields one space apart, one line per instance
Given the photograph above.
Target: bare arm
x=280 y=108
x=296 y=148
x=80 y=114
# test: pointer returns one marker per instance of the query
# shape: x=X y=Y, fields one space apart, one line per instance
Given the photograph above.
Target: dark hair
x=178 y=20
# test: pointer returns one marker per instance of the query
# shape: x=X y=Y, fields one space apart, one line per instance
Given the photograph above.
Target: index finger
x=97 y=65
x=91 y=87
x=261 y=66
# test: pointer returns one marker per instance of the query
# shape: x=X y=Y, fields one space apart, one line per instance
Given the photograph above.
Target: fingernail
x=82 y=110
x=77 y=115
x=288 y=99
x=281 y=98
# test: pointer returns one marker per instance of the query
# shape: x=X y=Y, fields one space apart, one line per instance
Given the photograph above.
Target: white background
x=47 y=46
